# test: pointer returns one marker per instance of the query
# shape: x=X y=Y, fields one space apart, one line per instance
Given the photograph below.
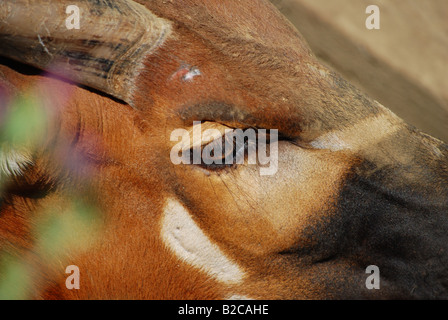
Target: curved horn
x=105 y=53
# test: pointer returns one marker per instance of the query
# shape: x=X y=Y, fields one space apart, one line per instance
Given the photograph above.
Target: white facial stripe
x=360 y=135
x=183 y=236
x=13 y=161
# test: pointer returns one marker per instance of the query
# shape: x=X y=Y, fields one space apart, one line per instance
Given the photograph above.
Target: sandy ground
x=403 y=65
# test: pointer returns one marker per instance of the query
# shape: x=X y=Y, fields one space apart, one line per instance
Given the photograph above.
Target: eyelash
x=236 y=154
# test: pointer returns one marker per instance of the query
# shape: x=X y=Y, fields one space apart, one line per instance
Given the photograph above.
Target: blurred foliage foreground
x=55 y=231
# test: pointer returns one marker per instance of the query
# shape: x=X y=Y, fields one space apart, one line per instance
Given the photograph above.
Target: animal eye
x=231 y=149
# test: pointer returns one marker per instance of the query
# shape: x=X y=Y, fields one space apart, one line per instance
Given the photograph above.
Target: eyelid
x=205 y=133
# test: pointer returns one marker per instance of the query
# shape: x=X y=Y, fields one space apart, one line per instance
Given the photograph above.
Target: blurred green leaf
x=14 y=281
x=25 y=122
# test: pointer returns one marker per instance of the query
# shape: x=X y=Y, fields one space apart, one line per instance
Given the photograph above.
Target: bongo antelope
x=355 y=186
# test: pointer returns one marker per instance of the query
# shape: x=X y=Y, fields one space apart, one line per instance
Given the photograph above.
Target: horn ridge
x=105 y=53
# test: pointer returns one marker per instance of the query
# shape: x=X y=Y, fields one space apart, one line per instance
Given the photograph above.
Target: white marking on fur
x=184 y=237
x=194 y=72
x=238 y=297
x=322 y=72
x=360 y=135
x=12 y=162
x=186 y=73
x=432 y=144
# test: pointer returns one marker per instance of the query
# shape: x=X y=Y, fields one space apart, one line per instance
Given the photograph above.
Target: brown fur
x=256 y=71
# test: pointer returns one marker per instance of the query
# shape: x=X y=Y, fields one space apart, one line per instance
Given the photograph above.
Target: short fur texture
x=309 y=232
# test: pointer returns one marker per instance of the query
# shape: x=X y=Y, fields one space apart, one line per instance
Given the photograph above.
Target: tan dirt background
x=404 y=65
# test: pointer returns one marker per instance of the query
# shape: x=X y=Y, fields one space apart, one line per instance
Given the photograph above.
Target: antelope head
x=354 y=185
